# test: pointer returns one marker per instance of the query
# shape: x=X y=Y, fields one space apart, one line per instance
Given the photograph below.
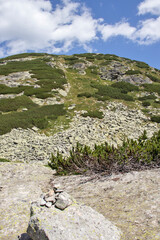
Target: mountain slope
x=93 y=97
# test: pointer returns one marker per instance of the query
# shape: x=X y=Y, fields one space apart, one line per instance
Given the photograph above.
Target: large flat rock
x=76 y=222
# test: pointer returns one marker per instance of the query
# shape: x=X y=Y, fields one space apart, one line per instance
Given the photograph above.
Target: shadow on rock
x=24 y=236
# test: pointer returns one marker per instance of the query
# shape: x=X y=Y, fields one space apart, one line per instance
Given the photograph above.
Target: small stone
x=50 y=199
x=50 y=193
x=48 y=204
x=63 y=201
x=42 y=202
x=58 y=191
x=56 y=186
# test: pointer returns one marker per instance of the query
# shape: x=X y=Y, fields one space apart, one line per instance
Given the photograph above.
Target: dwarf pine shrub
x=138 y=154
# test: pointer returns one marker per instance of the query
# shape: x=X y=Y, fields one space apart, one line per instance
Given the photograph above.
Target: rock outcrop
x=76 y=222
x=19 y=79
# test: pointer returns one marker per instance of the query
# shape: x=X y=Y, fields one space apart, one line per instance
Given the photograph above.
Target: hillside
x=50 y=104
x=93 y=97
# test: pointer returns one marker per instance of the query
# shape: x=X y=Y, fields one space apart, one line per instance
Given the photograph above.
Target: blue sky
x=125 y=28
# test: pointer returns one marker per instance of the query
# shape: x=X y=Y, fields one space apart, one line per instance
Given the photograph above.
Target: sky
x=128 y=29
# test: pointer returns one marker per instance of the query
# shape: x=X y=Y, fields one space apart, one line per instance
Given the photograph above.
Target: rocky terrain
x=48 y=103
x=118 y=123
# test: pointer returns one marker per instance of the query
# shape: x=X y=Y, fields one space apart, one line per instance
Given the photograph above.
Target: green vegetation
x=146 y=104
x=155 y=119
x=133 y=72
x=125 y=87
x=4 y=160
x=37 y=116
x=111 y=92
x=48 y=77
x=85 y=94
x=11 y=90
x=93 y=70
x=153 y=78
x=85 y=55
x=149 y=97
x=45 y=56
x=7 y=105
x=152 y=88
x=93 y=114
x=106 y=63
x=25 y=55
x=132 y=155
x=72 y=60
x=38 y=92
x=141 y=64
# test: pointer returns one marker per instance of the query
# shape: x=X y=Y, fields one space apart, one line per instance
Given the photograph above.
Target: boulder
x=79 y=66
x=76 y=222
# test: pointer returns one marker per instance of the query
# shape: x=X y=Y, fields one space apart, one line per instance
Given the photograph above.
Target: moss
x=4 y=160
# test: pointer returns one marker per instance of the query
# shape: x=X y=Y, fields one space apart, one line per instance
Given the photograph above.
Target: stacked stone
x=56 y=197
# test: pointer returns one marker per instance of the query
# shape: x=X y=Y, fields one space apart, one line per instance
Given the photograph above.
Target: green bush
x=36 y=116
x=7 y=105
x=101 y=98
x=155 y=119
x=38 y=92
x=125 y=87
x=107 y=62
x=11 y=90
x=85 y=94
x=111 y=92
x=133 y=72
x=111 y=57
x=72 y=60
x=41 y=123
x=146 y=104
x=149 y=97
x=132 y=155
x=93 y=114
x=141 y=64
x=152 y=88
x=153 y=78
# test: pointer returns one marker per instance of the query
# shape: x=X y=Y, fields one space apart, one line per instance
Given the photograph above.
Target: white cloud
x=34 y=25
x=121 y=28
x=149 y=32
x=149 y=6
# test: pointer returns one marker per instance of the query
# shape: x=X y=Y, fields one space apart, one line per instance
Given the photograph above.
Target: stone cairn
x=56 y=197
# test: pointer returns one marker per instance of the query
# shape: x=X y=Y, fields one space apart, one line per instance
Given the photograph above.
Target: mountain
x=72 y=104
x=87 y=98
